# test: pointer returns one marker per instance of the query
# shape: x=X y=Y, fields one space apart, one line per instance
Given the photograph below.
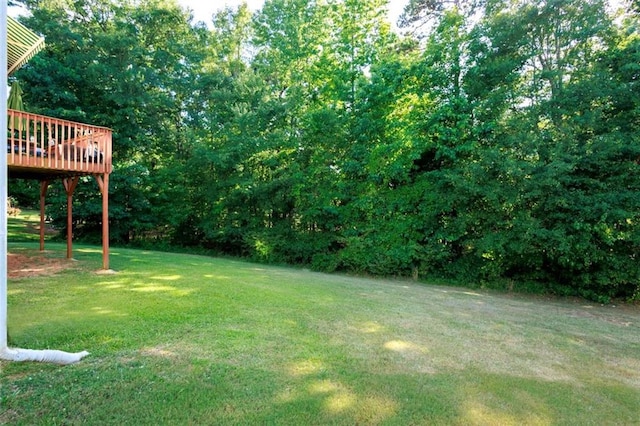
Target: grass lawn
x=182 y=339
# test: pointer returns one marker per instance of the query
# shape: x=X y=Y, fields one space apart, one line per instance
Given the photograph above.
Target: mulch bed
x=20 y=265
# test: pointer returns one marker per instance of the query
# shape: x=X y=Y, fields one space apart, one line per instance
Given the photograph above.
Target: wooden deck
x=41 y=147
x=48 y=149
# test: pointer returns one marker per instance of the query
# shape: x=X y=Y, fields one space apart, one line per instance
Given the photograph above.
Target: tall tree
x=124 y=65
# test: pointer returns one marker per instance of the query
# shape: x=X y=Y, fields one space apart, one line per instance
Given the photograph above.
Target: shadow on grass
x=161 y=388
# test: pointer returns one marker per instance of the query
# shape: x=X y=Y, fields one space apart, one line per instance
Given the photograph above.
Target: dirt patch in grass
x=21 y=265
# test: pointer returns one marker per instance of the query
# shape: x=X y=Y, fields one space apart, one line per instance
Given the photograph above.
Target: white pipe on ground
x=46 y=355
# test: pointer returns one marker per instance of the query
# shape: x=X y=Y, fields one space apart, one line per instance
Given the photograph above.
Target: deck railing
x=50 y=144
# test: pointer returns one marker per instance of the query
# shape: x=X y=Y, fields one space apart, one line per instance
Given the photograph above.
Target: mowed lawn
x=183 y=339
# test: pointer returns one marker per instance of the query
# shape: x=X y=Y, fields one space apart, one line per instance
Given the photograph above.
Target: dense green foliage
x=495 y=142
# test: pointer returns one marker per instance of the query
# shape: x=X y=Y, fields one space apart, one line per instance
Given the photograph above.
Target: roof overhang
x=22 y=45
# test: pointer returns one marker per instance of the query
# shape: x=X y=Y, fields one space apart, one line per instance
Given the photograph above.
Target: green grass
x=183 y=339
x=24 y=227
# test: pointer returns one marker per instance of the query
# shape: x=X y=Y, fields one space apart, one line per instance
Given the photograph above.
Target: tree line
x=493 y=142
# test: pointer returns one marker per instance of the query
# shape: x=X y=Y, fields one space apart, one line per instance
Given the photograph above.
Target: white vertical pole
x=3 y=177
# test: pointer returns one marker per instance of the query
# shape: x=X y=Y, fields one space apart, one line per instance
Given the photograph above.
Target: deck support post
x=44 y=185
x=103 y=183
x=70 y=186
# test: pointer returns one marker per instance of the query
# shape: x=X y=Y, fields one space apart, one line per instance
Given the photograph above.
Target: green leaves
x=502 y=144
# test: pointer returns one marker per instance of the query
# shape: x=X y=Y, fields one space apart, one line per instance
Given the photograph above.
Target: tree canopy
x=492 y=142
